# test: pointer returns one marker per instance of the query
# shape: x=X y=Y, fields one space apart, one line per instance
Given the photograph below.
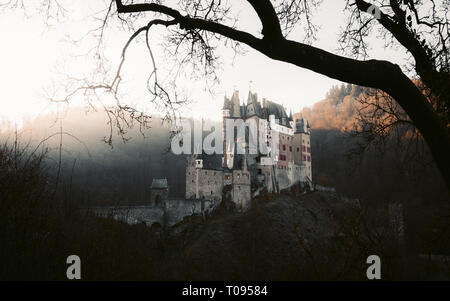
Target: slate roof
x=159 y=184
x=302 y=126
x=255 y=108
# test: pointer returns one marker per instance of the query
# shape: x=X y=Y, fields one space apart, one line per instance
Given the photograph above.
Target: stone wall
x=290 y=176
x=210 y=183
x=241 y=189
x=132 y=214
x=173 y=212
x=158 y=195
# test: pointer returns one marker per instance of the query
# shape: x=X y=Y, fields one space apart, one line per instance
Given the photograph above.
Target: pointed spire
x=249 y=98
x=236 y=105
x=299 y=125
x=226 y=104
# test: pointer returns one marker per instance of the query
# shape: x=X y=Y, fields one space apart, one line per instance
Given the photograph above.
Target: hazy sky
x=32 y=55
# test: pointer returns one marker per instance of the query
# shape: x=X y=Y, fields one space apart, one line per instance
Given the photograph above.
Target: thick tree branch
x=424 y=65
x=269 y=19
x=143 y=7
x=186 y=22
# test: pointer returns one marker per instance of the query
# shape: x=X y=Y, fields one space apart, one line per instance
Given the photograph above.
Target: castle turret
x=236 y=105
x=226 y=107
x=302 y=140
x=291 y=121
x=253 y=106
x=299 y=125
x=226 y=112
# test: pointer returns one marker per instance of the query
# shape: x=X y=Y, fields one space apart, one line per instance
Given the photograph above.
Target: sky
x=35 y=58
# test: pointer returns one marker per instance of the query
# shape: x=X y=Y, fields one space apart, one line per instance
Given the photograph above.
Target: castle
x=243 y=175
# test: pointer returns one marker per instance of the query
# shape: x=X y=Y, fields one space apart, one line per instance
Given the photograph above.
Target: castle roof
x=160 y=184
x=226 y=104
x=272 y=108
x=255 y=108
x=302 y=126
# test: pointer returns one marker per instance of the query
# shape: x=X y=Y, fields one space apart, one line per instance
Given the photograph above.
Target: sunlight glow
x=26 y=58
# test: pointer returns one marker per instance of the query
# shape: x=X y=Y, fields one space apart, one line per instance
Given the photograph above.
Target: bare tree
x=420 y=27
x=382 y=124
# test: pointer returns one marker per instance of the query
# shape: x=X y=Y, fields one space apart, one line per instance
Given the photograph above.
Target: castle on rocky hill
x=241 y=175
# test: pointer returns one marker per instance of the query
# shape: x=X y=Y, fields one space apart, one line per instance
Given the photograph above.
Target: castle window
x=290 y=148
x=303 y=148
x=284 y=147
x=303 y=158
x=309 y=150
x=298 y=149
x=211 y=192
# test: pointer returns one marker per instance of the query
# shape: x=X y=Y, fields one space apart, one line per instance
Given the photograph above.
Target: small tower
x=226 y=110
x=302 y=145
x=236 y=105
x=291 y=121
x=159 y=191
